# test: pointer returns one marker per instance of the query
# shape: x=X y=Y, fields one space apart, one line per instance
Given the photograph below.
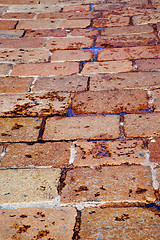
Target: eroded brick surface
x=22 y=43
x=5 y=69
x=46 y=33
x=15 y=84
x=145 y=19
x=154 y=148
x=147 y=65
x=111 y=21
x=11 y=33
x=156 y=98
x=37 y=24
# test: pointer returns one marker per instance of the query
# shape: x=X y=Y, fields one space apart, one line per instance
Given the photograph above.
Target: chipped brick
x=146 y=19
x=11 y=33
x=7 y=24
x=14 y=84
x=148 y=65
x=111 y=21
x=5 y=69
x=154 y=148
x=74 y=23
x=37 y=24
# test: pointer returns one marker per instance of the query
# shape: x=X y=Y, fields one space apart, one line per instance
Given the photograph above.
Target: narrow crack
x=88 y=84
x=62 y=179
x=77 y=226
x=42 y=127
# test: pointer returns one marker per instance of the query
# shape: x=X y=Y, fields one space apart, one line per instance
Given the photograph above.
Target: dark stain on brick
x=122 y=218
x=81 y=188
x=41 y=234
x=41 y=214
x=92 y=212
x=102 y=188
x=23 y=228
x=141 y=190
x=5 y=134
x=28 y=155
x=17 y=126
x=12 y=215
x=77 y=226
x=130 y=191
x=23 y=216
x=97 y=194
x=62 y=181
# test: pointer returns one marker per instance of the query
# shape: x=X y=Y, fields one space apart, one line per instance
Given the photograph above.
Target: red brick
x=69 y=43
x=154 y=149
x=146 y=19
x=156 y=97
x=110 y=6
x=132 y=2
x=112 y=183
x=5 y=69
x=107 y=67
x=113 y=101
x=46 y=33
x=143 y=125
x=137 y=80
x=78 y=8
x=11 y=33
x=129 y=53
x=23 y=15
x=17 y=2
x=147 y=65
x=22 y=155
x=44 y=69
x=37 y=24
x=127 y=40
x=34 y=8
x=15 y=84
x=87 y=127
x=84 y=32
x=73 y=83
x=7 y=24
x=75 y=23
x=19 y=129
x=69 y=15
x=155 y=2
x=71 y=55
x=22 y=43
x=32 y=223
x=111 y=21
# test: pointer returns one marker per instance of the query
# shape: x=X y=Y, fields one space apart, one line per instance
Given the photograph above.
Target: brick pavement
x=80 y=119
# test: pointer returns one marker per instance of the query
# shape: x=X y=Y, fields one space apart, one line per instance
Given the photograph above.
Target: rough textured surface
x=15 y=84
x=154 y=148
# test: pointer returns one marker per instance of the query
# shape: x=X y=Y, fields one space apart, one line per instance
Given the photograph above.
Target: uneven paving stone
x=46 y=33
x=37 y=223
x=119 y=223
x=78 y=8
x=137 y=80
x=45 y=69
x=86 y=127
x=154 y=149
x=30 y=104
x=24 y=55
x=34 y=8
x=129 y=53
x=29 y=185
x=5 y=69
x=22 y=43
x=71 y=55
x=111 y=21
x=107 y=67
x=117 y=5
x=145 y=125
x=19 y=129
x=84 y=32
x=113 y=101
x=118 y=152
x=147 y=65
x=69 y=15
x=146 y=19
x=15 y=84
x=37 y=24
x=19 y=15
x=126 y=40
x=72 y=83
x=7 y=24
x=11 y=33
x=20 y=155
x=69 y=43
x=111 y=183
x=75 y=23
x=156 y=97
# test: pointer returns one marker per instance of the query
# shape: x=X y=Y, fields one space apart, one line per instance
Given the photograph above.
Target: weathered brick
x=111 y=6
x=69 y=15
x=127 y=40
x=37 y=223
x=39 y=154
x=129 y=53
x=111 y=21
x=71 y=2
x=19 y=129
x=71 y=55
x=134 y=2
x=22 y=43
x=111 y=183
x=78 y=8
x=155 y=2
x=25 y=56
x=146 y=19
x=156 y=97
x=11 y=33
x=120 y=223
x=44 y=69
x=15 y=84
x=5 y=69
x=145 y=125
x=97 y=153
x=154 y=149
x=3 y=9
x=46 y=33
x=147 y=65
x=89 y=127
x=41 y=104
x=138 y=80
x=111 y=101
x=73 y=83
x=18 y=2
x=107 y=67
x=34 y=8
x=7 y=24
x=19 y=15
x=37 y=24
x=138 y=29
x=84 y=32
x=158 y=176
x=74 y=23
x=29 y=185
x=69 y=43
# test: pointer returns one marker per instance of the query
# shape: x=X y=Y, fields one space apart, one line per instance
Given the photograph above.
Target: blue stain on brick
x=70 y=113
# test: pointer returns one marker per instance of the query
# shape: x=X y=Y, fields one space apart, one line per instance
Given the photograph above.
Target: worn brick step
x=113 y=101
x=36 y=223
x=111 y=21
x=119 y=223
x=46 y=33
x=111 y=183
x=146 y=19
x=15 y=84
x=69 y=15
x=5 y=69
x=18 y=15
x=156 y=97
x=86 y=127
x=154 y=149
x=11 y=33
x=147 y=65
x=7 y=24
x=22 y=43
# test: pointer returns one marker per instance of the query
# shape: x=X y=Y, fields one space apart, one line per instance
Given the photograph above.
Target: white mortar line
x=72 y=153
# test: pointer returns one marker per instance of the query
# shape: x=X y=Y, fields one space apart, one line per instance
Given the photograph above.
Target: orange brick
x=5 y=69
x=15 y=84
x=111 y=21
x=9 y=15
x=84 y=32
x=11 y=33
x=156 y=97
x=46 y=33
x=22 y=43
x=7 y=24
x=71 y=55
x=69 y=43
x=138 y=80
x=155 y=2
x=112 y=183
x=117 y=152
x=146 y=19
x=44 y=69
x=78 y=8
x=89 y=127
x=17 y=2
x=73 y=83
x=154 y=149
x=34 y=8
x=69 y=15
x=144 y=125
x=74 y=23
x=129 y=53
x=19 y=129
x=22 y=155
x=127 y=40
x=37 y=24
x=32 y=223
x=148 y=65
x=113 y=101
x=107 y=67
